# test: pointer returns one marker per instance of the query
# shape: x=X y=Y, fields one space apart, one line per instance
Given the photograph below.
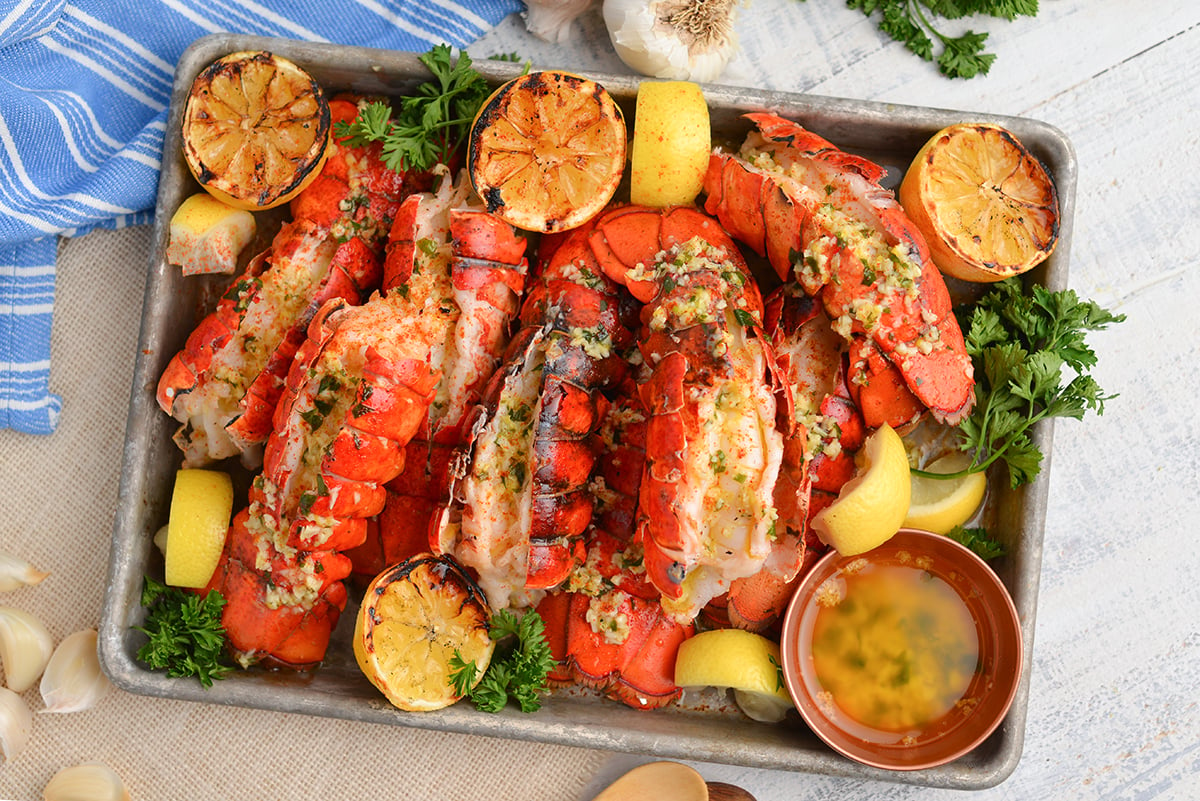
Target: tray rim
x=662 y=734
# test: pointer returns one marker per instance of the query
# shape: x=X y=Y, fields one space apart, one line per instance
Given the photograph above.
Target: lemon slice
x=937 y=504
x=255 y=129
x=547 y=151
x=871 y=506
x=414 y=616
x=745 y=662
x=672 y=141
x=201 y=505
x=986 y=205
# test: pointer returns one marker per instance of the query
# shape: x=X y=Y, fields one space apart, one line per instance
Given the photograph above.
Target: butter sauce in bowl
x=904 y=657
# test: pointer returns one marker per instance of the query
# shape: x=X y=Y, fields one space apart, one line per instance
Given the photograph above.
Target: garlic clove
x=90 y=781
x=25 y=648
x=552 y=20
x=16 y=721
x=73 y=681
x=16 y=573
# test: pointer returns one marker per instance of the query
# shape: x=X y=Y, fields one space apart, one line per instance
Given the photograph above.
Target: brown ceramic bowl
x=992 y=685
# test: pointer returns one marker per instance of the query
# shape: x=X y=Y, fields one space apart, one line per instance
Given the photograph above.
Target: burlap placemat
x=59 y=497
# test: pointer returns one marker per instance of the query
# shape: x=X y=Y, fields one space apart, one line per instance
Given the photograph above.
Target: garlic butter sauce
x=894 y=646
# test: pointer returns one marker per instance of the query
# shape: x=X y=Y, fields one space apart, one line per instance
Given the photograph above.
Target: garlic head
x=682 y=40
x=73 y=681
x=16 y=722
x=25 y=648
x=552 y=20
x=16 y=573
x=91 y=781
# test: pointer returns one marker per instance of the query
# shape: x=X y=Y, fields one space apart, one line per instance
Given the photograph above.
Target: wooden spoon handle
x=720 y=791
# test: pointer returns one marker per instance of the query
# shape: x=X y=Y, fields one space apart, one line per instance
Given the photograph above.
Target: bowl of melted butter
x=905 y=657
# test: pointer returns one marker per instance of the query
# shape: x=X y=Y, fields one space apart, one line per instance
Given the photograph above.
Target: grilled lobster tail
x=821 y=218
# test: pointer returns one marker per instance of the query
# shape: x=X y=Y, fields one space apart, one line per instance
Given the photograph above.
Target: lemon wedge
x=207 y=235
x=940 y=504
x=201 y=505
x=745 y=662
x=871 y=506
x=672 y=141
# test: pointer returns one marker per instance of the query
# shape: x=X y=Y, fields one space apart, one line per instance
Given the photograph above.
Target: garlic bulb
x=73 y=680
x=91 y=781
x=551 y=20
x=16 y=721
x=681 y=40
x=25 y=648
x=15 y=573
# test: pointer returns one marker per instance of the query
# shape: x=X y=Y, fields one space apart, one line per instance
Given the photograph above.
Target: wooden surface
x=1113 y=707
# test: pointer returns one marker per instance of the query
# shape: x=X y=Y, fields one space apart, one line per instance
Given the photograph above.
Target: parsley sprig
x=910 y=22
x=518 y=668
x=186 y=636
x=431 y=123
x=1020 y=345
x=978 y=540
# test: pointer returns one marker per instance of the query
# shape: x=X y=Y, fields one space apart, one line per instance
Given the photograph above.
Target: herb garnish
x=186 y=636
x=908 y=22
x=1019 y=345
x=978 y=540
x=518 y=671
x=431 y=123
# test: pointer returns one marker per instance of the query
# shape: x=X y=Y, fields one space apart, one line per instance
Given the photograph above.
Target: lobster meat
x=487 y=272
x=606 y=627
x=224 y=384
x=520 y=491
x=821 y=218
x=358 y=391
x=713 y=448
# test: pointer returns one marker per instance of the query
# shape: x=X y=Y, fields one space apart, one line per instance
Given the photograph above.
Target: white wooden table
x=1114 y=707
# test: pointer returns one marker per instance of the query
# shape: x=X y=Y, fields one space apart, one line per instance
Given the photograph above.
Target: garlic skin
x=91 y=781
x=16 y=721
x=680 y=40
x=25 y=648
x=16 y=573
x=73 y=681
x=552 y=20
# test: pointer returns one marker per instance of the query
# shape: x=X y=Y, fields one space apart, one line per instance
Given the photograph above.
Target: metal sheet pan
x=890 y=134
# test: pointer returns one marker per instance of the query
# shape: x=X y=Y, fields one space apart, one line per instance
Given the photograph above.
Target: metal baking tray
x=890 y=134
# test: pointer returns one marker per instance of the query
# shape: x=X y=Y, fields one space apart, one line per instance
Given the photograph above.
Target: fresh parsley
x=978 y=540
x=431 y=123
x=518 y=668
x=186 y=636
x=911 y=22
x=1020 y=344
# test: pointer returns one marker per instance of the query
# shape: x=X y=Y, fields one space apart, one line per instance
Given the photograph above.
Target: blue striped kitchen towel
x=84 y=91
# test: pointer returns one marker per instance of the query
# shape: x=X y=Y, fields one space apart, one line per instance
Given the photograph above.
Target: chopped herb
x=978 y=540
x=185 y=631
x=745 y=318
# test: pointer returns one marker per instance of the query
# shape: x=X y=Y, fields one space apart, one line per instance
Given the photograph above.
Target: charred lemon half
x=415 y=616
x=255 y=129
x=547 y=151
x=984 y=202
